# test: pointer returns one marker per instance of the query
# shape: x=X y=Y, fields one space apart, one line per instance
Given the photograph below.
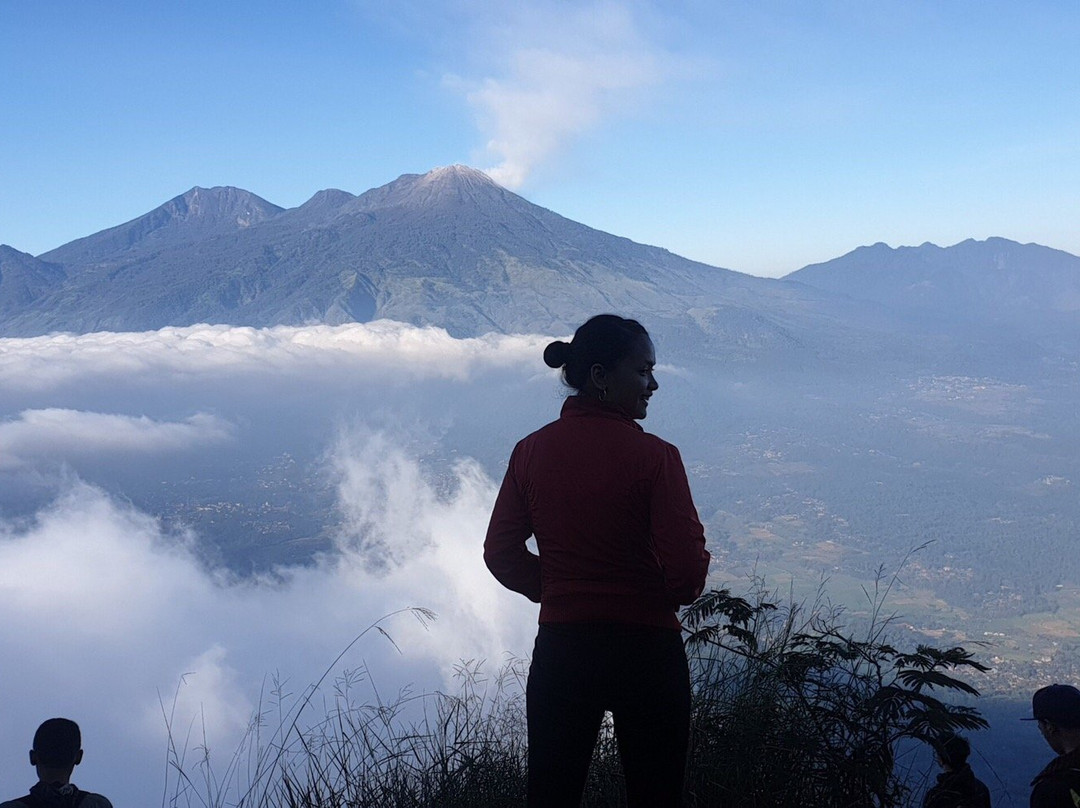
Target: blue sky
x=755 y=135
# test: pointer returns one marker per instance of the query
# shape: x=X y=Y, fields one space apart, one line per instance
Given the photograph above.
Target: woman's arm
x=677 y=535
x=510 y=527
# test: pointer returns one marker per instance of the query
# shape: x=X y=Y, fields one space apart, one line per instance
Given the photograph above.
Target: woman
x=620 y=549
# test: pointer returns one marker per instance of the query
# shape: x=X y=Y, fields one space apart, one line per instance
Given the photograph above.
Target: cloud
x=56 y=432
x=561 y=69
x=103 y=613
x=386 y=349
x=105 y=608
x=398 y=522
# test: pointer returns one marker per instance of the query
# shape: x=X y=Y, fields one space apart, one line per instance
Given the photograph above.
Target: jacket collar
x=578 y=406
x=1070 y=760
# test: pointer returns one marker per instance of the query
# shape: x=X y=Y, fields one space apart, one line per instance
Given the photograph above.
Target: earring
x=603 y=394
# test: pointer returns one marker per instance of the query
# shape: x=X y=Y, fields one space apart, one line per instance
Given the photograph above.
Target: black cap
x=1058 y=704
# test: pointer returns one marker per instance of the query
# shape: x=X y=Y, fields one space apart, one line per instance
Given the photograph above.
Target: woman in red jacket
x=620 y=549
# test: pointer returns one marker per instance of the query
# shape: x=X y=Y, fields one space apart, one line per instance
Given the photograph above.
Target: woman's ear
x=597 y=376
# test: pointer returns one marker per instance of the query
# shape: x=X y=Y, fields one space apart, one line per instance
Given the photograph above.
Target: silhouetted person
x=1057 y=709
x=620 y=548
x=57 y=751
x=957 y=786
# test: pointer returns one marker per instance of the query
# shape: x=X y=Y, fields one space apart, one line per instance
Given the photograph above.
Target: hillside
x=1000 y=284
x=24 y=280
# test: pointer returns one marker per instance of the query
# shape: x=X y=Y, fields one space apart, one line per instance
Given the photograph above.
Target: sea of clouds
x=112 y=618
x=113 y=613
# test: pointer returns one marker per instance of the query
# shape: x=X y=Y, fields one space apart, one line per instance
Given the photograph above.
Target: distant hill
x=996 y=282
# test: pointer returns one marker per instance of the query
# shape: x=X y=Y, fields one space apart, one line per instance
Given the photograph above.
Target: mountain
x=24 y=279
x=199 y=214
x=448 y=248
x=452 y=248
x=996 y=282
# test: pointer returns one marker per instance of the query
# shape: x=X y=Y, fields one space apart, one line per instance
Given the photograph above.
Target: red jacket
x=610 y=506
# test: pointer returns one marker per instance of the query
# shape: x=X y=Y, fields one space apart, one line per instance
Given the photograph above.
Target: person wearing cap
x=1057 y=709
x=957 y=786
x=57 y=751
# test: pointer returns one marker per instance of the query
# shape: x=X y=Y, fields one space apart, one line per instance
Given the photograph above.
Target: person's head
x=610 y=359
x=952 y=751
x=1057 y=709
x=57 y=749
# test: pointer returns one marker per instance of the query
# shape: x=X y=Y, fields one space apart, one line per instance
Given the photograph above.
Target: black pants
x=640 y=675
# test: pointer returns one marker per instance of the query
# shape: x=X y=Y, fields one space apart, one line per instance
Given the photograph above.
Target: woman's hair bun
x=557 y=354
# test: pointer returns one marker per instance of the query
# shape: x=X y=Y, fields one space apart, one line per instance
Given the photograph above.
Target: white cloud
x=102 y=614
x=561 y=69
x=397 y=521
x=60 y=433
x=389 y=350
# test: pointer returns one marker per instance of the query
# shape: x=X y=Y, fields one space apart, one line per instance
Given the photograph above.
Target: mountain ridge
x=996 y=280
x=23 y=278
x=195 y=214
x=454 y=249
x=449 y=247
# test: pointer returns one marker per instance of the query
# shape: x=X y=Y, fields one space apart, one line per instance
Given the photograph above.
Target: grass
x=790 y=708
